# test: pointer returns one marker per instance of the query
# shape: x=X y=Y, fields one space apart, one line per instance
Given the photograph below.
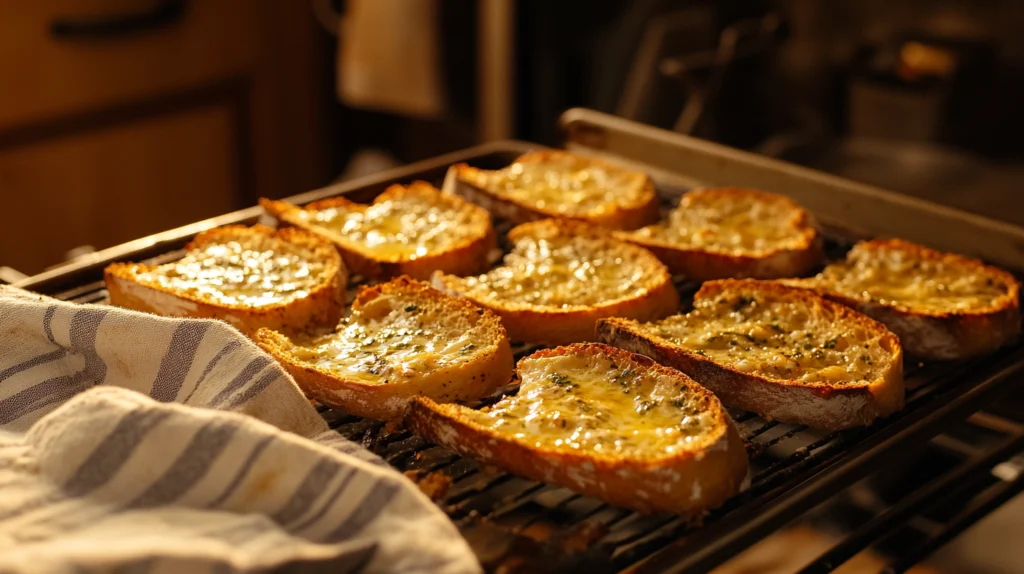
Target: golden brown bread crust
x=473 y=377
x=549 y=325
x=463 y=258
x=705 y=264
x=819 y=405
x=644 y=212
x=322 y=307
x=929 y=334
x=564 y=326
x=689 y=482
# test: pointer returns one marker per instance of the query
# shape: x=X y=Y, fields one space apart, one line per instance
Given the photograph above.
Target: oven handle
x=163 y=13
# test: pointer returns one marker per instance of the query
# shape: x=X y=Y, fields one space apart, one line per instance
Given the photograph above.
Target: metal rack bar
x=928 y=495
x=992 y=499
x=709 y=547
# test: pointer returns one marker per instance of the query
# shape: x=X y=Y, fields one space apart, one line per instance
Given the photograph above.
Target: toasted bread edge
x=708 y=264
x=550 y=325
x=825 y=407
x=465 y=258
x=700 y=265
x=321 y=307
x=458 y=182
x=689 y=482
x=472 y=378
x=832 y=407
x=953 y=335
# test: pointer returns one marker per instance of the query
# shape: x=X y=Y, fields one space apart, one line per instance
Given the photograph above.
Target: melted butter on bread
x=393 y=337
x=734 y=221
x=555 y=268
x=566 y=184
x=778 y=337
x=600 y=404
x=419 y=222
x=256 y=270
x=900 y=273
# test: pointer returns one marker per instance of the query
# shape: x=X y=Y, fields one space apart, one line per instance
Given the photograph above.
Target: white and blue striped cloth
x=107 y=464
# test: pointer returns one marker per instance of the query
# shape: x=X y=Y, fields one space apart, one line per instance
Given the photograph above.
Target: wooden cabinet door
x=47 y=74
x=118 y=182
x=110 y=136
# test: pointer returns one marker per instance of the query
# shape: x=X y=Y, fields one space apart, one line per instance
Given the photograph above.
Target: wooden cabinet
x=121 y=118
x=106 y=186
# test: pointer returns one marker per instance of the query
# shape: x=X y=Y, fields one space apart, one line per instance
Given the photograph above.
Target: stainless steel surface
x=925 y=170
x=952 y=177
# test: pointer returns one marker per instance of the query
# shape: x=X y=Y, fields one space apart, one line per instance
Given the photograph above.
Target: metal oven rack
x=518 y=525
x=910 y=511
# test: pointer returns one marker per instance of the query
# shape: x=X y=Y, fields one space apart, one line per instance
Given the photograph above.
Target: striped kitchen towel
x=125 y=447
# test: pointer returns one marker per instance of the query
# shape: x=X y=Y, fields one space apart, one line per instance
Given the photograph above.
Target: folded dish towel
x=100 y=470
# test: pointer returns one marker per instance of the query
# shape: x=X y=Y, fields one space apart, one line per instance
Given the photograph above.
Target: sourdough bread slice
x=409 y=230
x=734 y=233
x=782 y=352
x=941 y=305
x=554 y=183
x=402 y=339
x=249 y=277
x=561 y=277
x=605 y=423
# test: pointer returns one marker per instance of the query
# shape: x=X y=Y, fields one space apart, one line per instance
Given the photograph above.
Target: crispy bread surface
x=685 y=455
x=942 y=306
x=197 y=286
x=782 y=352
x=555 y=183
x=403 y=339
x=409 y=230
x=734 y=233
x=561 y=277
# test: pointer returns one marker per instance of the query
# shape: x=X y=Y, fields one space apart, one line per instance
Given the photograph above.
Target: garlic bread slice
x=554 y=183
x=734 y=233
x=561 y=277
x=941 y=305
x=251 y=277
x=409 y=230
x=402 y=339
x=782 y=352
x=605 y=423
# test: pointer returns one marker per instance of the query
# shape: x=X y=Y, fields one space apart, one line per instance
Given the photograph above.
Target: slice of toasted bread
x=605 y=423
x=553 y=183
x=402 y=339
x=782 y=352
x=941 y=305
x=562 y=276
x=250 y=277
x=730 y=232
x=409 y=230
